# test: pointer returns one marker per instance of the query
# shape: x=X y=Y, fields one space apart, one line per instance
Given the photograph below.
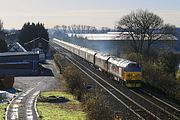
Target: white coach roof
x=120 y=62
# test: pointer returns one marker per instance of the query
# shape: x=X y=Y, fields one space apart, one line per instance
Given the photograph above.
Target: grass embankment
x=2 y=110
x=69 y=110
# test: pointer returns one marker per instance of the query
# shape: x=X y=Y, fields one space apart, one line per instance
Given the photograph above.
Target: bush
x=170 y=62
x=97 y=107
x=177 y=95
x=152 y=56
x=94 y=104
x=135 y=57
x=159 y=71
x=158 y=78
x=74 y=81
x=57 y=59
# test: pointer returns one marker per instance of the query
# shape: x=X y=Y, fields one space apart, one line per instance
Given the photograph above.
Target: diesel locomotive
x=125 y=71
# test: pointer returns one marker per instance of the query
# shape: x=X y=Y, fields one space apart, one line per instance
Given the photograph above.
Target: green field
x=70 y=110
x=2 y=110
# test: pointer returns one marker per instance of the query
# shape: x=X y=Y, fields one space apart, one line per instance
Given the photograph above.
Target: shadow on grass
x=53 y=99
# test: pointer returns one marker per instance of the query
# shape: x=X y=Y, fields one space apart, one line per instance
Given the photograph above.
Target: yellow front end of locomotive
x=133 y=79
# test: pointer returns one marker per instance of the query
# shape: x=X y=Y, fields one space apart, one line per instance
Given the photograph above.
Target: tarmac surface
x=23 y=106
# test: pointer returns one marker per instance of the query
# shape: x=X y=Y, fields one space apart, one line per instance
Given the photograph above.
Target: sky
x=99 y=13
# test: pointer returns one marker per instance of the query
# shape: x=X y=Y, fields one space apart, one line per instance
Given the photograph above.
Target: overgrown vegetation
x=97 y=107
x=74 y=82
x=160 y=72
x=94 y=104
x=60 y=61
x=57 y=60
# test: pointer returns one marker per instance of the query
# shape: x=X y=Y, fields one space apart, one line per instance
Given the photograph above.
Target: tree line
x=81 y=29
x=29 y=32
x=35 y=33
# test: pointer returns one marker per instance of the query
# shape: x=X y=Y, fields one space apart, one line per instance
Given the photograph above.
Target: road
x=23 y=106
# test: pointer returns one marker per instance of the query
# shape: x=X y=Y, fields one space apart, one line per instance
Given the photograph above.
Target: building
x=16 y=47
x=117 y=43
x=18 y=63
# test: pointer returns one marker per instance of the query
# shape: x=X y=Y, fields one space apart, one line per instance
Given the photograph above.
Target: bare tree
x=105 y=29
x=80 y=29
x=144 y=26
x=64 y=27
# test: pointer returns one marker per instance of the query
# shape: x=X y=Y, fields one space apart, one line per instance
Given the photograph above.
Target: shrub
x=135 y=57
x=177 y=94
x=57 y=59
x=170 y=62
x=154 y=75
x=94 y=104
x=74 y=82
x=159 y=72
x=97 y=107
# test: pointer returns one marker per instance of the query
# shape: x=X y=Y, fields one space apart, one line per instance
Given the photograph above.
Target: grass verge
x=70 y=110
x=2 y=110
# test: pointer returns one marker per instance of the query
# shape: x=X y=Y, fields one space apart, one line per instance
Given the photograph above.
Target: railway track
x=171 y=110
x=129 y=103
x=140 y=105
x=174 y=107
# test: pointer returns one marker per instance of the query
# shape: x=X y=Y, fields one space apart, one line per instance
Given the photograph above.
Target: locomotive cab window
x=133 y=68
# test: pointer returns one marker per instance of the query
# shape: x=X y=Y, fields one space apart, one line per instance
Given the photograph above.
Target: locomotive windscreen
x=133 y=68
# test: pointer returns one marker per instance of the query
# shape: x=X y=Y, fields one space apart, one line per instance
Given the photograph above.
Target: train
x=127 y=72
